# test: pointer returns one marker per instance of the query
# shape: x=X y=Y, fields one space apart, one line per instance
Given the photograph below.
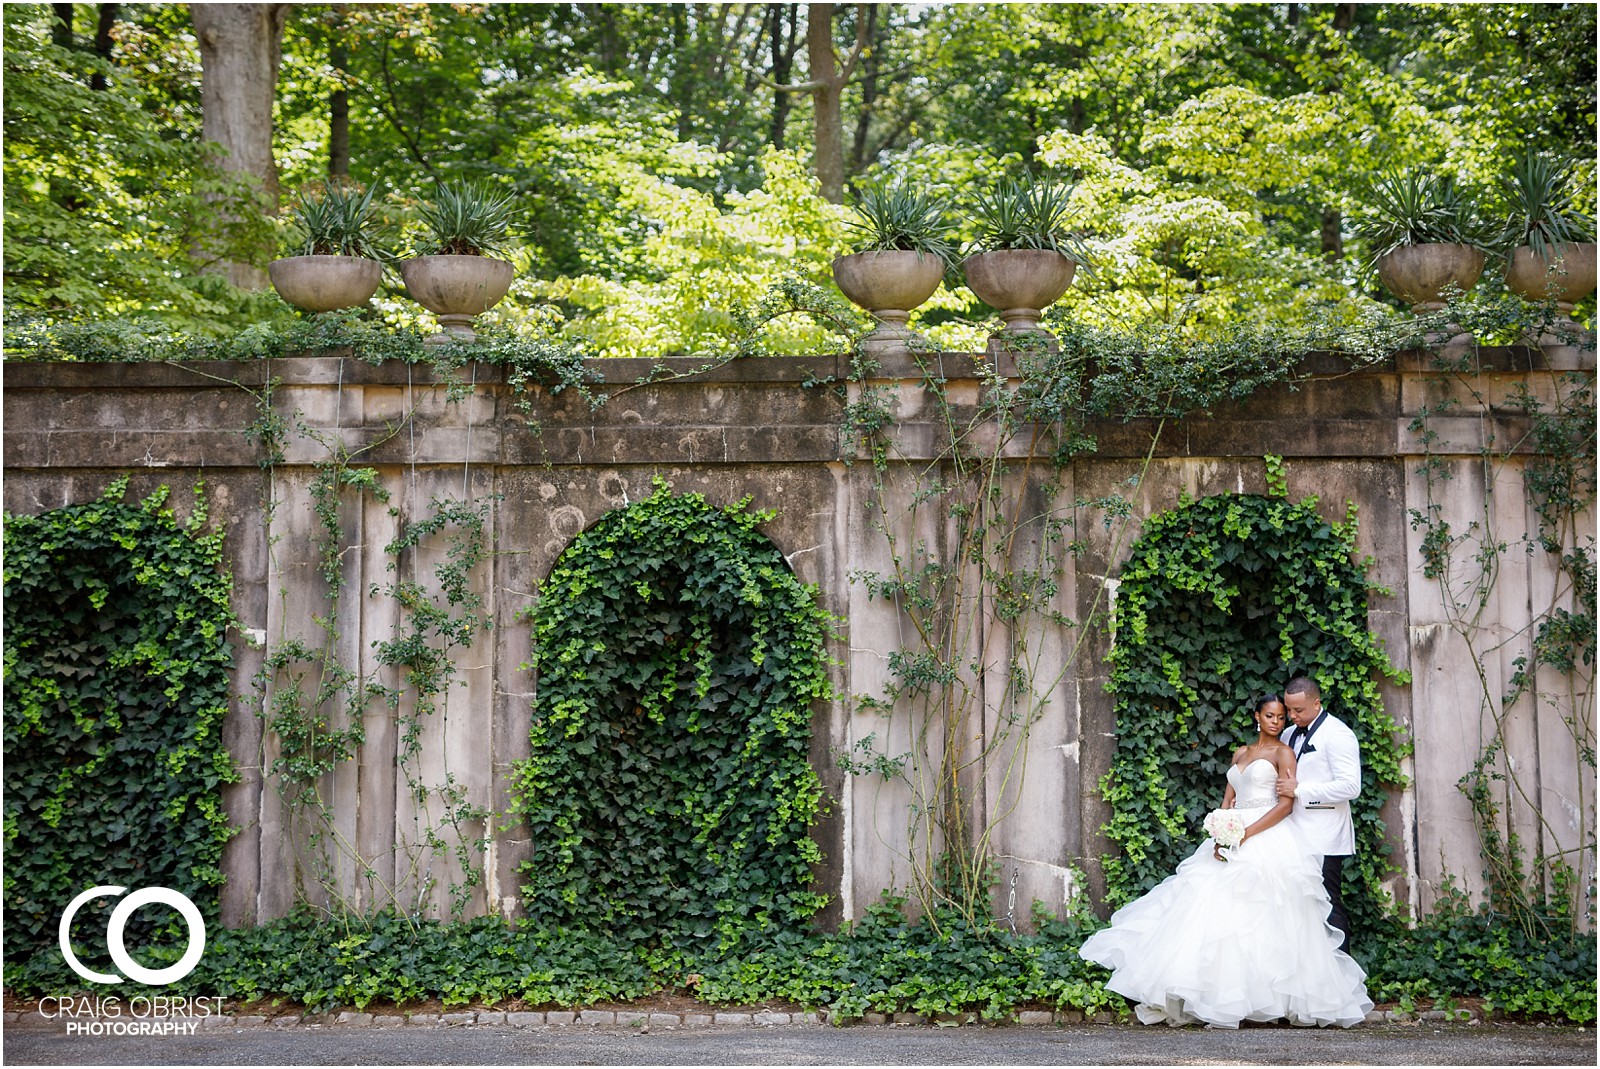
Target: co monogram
x=119 y=920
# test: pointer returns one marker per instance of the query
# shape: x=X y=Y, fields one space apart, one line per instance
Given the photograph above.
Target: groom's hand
x=1287 y=786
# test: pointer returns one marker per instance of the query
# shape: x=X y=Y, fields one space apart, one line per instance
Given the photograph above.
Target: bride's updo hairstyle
x=1261 y=700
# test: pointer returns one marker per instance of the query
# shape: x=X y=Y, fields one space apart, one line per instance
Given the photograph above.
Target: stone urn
x=890 y=284
x=1021 y=283
x=325 y=283
x=456 y=289
x=1420 y=274
x=1567 y=278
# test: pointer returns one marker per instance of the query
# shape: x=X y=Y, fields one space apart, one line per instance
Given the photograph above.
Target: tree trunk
x=783 y=18
x=61 y=25
x=678 y=91
x=338 y=104
x=102 y=42
x=240 y=48
x=827 y=95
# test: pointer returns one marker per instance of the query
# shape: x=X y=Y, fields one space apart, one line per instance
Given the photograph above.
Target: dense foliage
x=941 y=965
x=668 y=792
x=116 y=679
x=1458 y=951
x=882 y=964
x=662 y=155
x=1222 y=599
x=106 y=210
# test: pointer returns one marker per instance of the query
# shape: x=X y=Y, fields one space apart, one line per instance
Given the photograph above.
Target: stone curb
x=647 y=1020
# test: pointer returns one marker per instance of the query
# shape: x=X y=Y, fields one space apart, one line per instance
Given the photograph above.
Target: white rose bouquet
x=1226 y=827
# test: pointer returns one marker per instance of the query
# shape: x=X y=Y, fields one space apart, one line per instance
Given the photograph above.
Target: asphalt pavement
x=1425 y=1043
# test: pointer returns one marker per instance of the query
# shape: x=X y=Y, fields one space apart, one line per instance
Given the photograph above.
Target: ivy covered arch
x=1222 y=599
x=668 y=790
x=117 y=684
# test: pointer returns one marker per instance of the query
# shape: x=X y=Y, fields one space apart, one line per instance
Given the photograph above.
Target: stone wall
x=755 y=429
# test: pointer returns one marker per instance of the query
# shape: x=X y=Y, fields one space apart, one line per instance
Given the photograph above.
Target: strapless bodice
x=1255 y=785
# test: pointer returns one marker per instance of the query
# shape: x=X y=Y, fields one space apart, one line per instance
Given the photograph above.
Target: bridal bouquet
x=1225 y=826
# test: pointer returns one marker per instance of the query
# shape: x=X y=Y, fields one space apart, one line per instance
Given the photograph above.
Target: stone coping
x=645 y=1021
x=339 y=366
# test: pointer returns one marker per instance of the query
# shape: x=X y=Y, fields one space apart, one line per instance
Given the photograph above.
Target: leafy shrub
x=882 y=964
x=885 y=965
x=668 y=790
x=1461 y=952
x=116 y=676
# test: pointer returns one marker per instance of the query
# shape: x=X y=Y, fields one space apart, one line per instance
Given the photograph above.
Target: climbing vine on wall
x=316 y=702
x=116 y=666
x=668 y=793
x=1221 y=599
x=993 y=613
x=1538 y=868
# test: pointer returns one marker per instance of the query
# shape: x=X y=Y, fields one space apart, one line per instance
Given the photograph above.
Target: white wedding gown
x=1242 y=940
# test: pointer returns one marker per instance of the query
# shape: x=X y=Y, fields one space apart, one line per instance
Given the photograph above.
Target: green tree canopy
x=1219 y=148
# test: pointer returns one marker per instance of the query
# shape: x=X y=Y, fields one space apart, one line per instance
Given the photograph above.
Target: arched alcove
x=1222 y=599
x=668 y=790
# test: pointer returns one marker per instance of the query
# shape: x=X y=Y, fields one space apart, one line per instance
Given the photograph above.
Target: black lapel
x=1305 y=737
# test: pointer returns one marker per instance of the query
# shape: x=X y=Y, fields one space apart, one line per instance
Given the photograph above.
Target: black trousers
x=1333 y=880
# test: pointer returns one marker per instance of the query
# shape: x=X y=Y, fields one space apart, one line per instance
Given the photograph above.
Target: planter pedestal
x=1020 y=284
x=890 y=284
x=457 y=289
x=1567 y=278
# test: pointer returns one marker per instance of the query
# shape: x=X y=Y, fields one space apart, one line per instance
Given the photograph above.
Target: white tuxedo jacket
x=1329 y=776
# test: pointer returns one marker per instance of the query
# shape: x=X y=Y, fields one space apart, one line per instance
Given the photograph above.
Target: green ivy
x=315 y=705
x=536 y=356
x=668 y=792
x=1460 y=952
x=116 y=677
x=881 y=964
x=1222 y=599
x=947 y=964
x=1553 y=675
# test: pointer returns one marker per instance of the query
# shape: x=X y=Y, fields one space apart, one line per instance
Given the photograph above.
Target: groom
x=1328 y=762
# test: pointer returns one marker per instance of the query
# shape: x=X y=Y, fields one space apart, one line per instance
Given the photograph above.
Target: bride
x=1241 y=937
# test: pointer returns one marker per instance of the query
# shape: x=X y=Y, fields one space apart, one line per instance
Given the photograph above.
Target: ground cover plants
x=882 y=964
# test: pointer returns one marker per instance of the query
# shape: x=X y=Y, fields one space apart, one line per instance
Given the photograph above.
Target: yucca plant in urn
x=336 y=258
x=1550 y=241
x=1423 y=236
x=902 y=251
x=456 y=275
x=1026 y=252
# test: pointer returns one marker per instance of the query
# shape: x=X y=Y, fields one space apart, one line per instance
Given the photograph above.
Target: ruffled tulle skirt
x=1241 y=940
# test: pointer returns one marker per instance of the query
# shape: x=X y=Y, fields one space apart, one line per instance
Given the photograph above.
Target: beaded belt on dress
x=1255 y=805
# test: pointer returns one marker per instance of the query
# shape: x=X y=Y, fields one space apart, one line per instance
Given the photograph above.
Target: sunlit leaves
x=105 y=210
